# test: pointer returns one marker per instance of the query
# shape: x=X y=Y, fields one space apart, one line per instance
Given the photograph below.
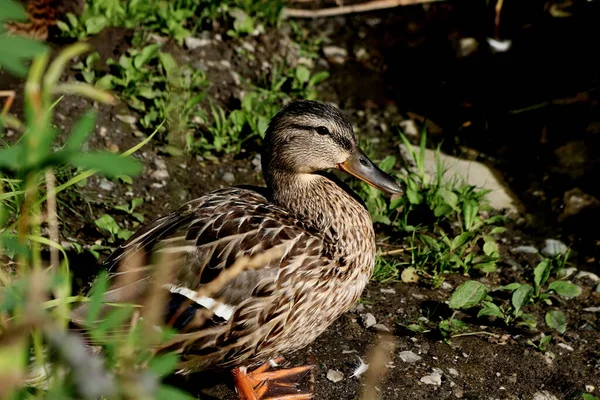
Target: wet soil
x=410 y=65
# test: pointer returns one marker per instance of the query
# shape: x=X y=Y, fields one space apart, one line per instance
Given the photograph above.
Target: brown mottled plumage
x=325 y=231
x=43 y=14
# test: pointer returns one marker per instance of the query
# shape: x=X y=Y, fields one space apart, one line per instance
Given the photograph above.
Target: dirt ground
x=412 y=65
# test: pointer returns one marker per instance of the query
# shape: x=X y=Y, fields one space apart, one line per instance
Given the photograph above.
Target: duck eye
x=321 y=130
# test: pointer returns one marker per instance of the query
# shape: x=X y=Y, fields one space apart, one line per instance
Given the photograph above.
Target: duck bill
x=361 y=167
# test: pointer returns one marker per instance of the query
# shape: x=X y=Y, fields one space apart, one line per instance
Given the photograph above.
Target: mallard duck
x=42 y=15
x=324 y=233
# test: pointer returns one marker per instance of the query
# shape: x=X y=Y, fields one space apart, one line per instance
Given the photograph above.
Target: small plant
x=130 y=208
x=542 y=344
x=152 y=83
x=108 y=223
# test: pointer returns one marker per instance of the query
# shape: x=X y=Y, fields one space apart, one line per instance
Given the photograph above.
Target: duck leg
x=258 y=384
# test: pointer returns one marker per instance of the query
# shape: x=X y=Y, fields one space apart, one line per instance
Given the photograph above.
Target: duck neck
x=322 y=202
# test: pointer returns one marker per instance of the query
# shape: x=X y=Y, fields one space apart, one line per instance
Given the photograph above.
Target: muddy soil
x=401 y=64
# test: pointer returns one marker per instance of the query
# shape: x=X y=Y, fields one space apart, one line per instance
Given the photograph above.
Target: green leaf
x=470 y=209
x=15 y=50
x=544 y=341
x=12 y=11
x=96 y=297
x=541 y=274
x=108 y=223
x=387 y=163
x=449 y=197
x=490 y=248
x=497 y=230
x=556 y=320
x=521 y=296
x=168 y=63
x=460 y=240
x=486 y=267
x=566 y=289
x=166 y=392
x=12 y=157
x=138 y=201
x=527 y=320
x=96 y=24
x=491 y=310
x=587 y=396
x=467 y=295
x=318 y=78
x=511 y=287
x=164 y=364
x=302 y=73
x=80 y=131
x=106 y=163
x=147 y=54
x=414 y=197
x=417 y=328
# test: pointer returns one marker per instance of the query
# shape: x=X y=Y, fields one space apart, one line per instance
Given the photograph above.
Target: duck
x=42 y=15
x=318 y=229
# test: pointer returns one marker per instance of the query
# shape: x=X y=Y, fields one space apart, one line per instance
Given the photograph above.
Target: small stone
x=106 y=185
x=565 y=346
x=160 y=163
x=525 y=249
x=446 y=286
x=381 y=328
x=589 y=275
x=128 y=119
x=368 y=320
x=359 y=308
x=467 y=46
x=458 y=392
x=387 y=291
x=249 y=47
x=225 y=64
x=335 y=376
x=553 y=248
x=409 y=128
x=160 y=174
x=335 y=54
x=103 y=131
x=453 y=372
x=592 y=309
x=193 y=43
x=228 y=177
x=589 y=388
x=544 y=395
x=433 y=379
x=409 y=357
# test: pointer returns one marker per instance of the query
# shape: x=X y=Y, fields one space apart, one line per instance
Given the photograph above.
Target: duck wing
x=205 y=238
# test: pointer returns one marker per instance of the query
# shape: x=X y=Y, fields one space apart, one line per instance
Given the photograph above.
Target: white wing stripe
x=224 y=311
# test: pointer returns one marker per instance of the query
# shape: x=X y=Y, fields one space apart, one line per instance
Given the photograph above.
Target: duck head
x=306 y=137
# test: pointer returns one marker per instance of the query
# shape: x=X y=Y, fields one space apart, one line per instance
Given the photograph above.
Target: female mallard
x=325 y=234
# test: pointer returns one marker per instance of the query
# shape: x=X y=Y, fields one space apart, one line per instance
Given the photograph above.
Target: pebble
x=453 y=372
x=335 y=54
x=446 y=286
x=433 y=379
x=160 y=174
x=228 y=177
x=368 y=320
x=335 y=376
x=553 y=248
x=525 y=249
x=409 y=357
x=589 y=388
x=590 y=275
x=458 y=392
x=387 y=291
x=409 y=128
x=592 y=309
x=565 y=346
x=128 y=119
x=106 y=185
x=544 y=395
x=249 y=47
x=193 y=43
x=381 y=328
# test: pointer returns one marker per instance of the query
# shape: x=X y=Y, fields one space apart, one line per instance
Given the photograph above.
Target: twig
x=395 y=251
x=476 y=334
x=355 y=8
x=498 y=10
x=10 y=98
x=52 y=217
